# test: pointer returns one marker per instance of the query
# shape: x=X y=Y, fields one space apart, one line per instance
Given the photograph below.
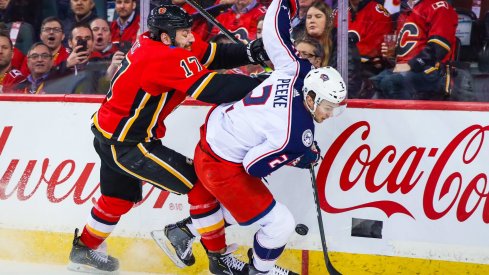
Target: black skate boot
x=84 y=259
x=226 y=263
x=276 y=270
x=176 y=241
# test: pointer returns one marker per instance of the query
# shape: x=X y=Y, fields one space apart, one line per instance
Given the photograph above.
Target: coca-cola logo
x=470 y=142
x=64 y=173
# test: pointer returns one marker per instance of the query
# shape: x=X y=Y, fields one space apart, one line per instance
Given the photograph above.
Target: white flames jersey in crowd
x=271 y=126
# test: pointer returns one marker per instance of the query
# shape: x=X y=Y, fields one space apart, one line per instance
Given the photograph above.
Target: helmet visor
x=338 y=110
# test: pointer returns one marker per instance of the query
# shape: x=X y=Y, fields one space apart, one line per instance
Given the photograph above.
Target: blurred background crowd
x=420 y=49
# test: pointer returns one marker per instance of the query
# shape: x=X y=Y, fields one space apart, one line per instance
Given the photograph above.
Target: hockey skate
x=226 y=263
x=84 y=259
x=176 y=241
x=276 y=270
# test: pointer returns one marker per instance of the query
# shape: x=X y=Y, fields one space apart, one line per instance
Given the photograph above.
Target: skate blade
x=88 y=269
x=165 y=245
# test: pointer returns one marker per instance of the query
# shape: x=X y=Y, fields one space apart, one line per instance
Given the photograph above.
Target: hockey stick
x=218 y=25
x=329 y=266
x=212 y=20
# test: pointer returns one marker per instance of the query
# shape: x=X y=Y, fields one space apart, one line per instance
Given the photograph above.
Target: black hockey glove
x=310 y=157
x=256 y=52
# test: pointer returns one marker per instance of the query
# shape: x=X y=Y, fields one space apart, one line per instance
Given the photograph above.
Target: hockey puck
x=301 y=229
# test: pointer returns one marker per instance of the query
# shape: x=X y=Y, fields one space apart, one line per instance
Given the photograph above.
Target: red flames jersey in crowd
x=151 y=82
x=242 y=25
x=372 y=22
x=200 y=26
x=10 y=79
x=17 y=59
x=430 y=21
x=130 y=33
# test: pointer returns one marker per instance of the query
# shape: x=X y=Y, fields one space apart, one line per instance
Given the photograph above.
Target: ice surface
x=21 y=268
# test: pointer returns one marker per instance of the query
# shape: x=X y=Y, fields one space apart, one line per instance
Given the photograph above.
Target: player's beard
x=187 y=46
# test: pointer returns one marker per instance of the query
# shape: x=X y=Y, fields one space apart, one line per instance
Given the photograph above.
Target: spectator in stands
x=200 y=25
x=369 y=23
x=52 y=35
x=83 y=68
x=319 y=25
x=20 y=32
x=83 y=13
x=102 y=45
x=241 y=19
x=426 y=42
x=40 y=62
x=310 y=49
x=9 y=77
x=81 y=44
x=125 y=28
x=116 y=61
x=299 y=23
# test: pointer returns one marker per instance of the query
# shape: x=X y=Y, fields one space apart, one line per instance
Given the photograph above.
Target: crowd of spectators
x=69 y=46
x=65 y=47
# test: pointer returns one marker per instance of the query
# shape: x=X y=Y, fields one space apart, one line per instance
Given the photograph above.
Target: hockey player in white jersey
x=241 y=142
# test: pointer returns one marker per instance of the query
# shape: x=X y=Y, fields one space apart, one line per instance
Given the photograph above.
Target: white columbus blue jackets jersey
x=271 y=126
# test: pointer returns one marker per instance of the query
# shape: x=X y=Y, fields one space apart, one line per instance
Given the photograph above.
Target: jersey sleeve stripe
x=155 y=116
x=211 y=55
x=202 y=85
x=131 y=120
x=102 y=131
x=165 y=165
x=440 y=43
x=114 y=156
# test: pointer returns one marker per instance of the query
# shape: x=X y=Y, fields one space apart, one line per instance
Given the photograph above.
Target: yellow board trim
x=143 y=255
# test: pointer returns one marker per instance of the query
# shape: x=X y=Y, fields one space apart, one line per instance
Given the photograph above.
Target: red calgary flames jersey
x=430 y=21
x=10 y=79
x=242 y=25
x=372 y=22
x=151 y=82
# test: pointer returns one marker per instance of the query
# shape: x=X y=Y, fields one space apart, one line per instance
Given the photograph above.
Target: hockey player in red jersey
x=244 y=141
x=163 y=67
x=426 y=41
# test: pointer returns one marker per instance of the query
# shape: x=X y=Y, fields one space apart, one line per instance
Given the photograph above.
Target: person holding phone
x=81 y=44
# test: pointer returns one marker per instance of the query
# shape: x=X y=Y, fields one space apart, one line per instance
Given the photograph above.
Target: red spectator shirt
x=242 y=25
x=200 y=26
x=17 y=59
x=372 y=22
x=430 y=21
x=10 y=79
x=58 y=57
x=107 y=55
x=130 y=33
x=151 y=82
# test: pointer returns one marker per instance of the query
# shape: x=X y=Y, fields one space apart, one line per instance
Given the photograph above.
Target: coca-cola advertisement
x=417 y=175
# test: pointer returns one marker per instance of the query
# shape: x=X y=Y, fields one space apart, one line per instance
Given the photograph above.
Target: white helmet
x=327 y=84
